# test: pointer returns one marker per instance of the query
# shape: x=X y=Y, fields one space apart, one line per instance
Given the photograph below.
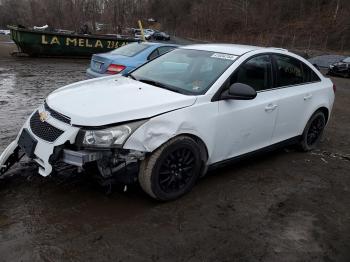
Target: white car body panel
x=296 y=105
x=203 y=119
x=227 y=128
x=119 y=99
x=245 y=136
x=239 y=121
x=188 y=120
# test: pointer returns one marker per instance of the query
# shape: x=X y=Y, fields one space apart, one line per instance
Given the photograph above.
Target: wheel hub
x=315 y=130
x=176 y=170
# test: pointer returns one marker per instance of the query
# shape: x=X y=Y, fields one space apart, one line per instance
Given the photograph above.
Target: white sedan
x=166 y=122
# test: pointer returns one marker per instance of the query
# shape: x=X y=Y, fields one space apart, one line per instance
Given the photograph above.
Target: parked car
x=149 y=31
x=161 y=36
x=169 y=120
x=126 y=58
x=341 y=68
x=4 y=32
x=138 y=34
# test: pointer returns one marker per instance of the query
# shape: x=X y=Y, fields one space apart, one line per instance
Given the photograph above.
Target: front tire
x=172 y=170
x=313 y=131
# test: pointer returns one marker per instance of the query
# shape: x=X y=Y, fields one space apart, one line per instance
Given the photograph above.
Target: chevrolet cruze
x=165 y=123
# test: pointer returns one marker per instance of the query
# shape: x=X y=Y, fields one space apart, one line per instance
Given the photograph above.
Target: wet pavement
x=281 y=206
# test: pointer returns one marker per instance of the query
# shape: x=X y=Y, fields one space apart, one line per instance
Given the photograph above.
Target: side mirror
x=239 y=91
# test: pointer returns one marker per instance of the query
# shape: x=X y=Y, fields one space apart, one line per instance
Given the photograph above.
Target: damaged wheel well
x=203 y=149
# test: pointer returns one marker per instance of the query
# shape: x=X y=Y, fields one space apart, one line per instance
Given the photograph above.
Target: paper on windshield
x=224 y=56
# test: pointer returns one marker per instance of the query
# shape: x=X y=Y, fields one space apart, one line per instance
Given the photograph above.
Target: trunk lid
x=100 y=62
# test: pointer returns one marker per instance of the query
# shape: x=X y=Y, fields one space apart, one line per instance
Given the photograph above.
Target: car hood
x=114 y=99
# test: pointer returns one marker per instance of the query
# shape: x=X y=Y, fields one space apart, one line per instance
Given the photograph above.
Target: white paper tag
x=224 y=56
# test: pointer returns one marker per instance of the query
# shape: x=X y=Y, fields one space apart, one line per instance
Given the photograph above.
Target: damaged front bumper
x=48 y=138
x=38 y=138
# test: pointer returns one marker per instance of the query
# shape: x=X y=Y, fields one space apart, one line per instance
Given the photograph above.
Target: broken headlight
x=108 y=137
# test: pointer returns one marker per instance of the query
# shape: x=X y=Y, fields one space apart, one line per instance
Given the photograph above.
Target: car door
x=296 y=85
x=247 y=125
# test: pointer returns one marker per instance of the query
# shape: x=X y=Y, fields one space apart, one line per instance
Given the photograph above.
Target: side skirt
x=288 y=142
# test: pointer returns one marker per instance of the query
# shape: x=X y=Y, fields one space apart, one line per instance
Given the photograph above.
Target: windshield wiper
x=161 y=85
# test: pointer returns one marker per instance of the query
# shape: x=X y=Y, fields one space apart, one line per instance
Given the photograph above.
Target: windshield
x=185 y=71
x=346 y=60
x=130 y=49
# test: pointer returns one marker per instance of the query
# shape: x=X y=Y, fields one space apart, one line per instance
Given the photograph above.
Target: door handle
x=307 y=97
x=270 y=107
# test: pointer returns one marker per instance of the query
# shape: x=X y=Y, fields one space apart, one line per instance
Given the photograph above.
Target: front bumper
x=36 y=139
x=43 y=149
x=338 y=71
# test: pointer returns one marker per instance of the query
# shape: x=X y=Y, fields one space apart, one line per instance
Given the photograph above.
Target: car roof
x=230 y=48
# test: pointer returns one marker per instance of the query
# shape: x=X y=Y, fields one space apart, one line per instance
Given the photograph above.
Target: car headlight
x=108 y=137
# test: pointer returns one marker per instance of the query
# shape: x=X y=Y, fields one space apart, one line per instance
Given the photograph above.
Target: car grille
x=58 y=116
x=44 y=130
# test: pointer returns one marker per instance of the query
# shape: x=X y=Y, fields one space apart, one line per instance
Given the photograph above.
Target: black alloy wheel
x=176 y=170
x=172 y=170
x=313 y=131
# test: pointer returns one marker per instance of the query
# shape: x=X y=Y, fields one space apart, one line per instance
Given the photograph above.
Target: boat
x=63 y=43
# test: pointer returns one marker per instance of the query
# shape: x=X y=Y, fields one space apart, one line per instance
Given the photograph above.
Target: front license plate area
x=27 y=143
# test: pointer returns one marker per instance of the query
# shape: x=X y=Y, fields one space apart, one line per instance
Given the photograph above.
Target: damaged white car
x=166 y=122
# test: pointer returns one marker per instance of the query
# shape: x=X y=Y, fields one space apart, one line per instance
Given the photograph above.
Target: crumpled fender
x=4 y=165
x=153 y=135
x=185 y=121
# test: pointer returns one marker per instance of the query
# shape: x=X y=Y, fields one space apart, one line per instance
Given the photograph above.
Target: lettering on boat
x=80 y=42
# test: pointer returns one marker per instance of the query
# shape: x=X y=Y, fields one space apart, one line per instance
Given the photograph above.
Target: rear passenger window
x=309 y=74
x=256 y=73
x=153 y=55
x=289 y=71
x=165 y=49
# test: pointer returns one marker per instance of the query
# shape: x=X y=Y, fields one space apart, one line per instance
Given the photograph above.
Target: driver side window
x=256 y=72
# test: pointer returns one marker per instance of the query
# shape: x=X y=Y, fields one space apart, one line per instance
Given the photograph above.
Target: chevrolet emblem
x=43 y=116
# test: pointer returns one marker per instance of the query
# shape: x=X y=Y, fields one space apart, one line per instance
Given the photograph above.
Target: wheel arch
x=201 y=144
x=325 y=111
x=204 y=152
x=203 y=147
x=322 y=108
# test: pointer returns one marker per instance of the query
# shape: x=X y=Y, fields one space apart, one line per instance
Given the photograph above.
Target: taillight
x=115 y=69
x=334 y=88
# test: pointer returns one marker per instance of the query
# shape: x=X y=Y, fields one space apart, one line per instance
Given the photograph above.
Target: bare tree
x=289 y=23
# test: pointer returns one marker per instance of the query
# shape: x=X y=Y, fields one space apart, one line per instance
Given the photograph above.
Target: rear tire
x=172 y=170
x=313 y=131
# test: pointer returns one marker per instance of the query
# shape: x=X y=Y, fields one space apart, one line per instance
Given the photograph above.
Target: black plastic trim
x=288 y=142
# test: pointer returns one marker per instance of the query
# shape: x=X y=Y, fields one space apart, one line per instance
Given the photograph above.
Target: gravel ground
x=281 y=206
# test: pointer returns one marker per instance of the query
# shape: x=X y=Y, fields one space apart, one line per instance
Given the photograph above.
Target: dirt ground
x=281 y=206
